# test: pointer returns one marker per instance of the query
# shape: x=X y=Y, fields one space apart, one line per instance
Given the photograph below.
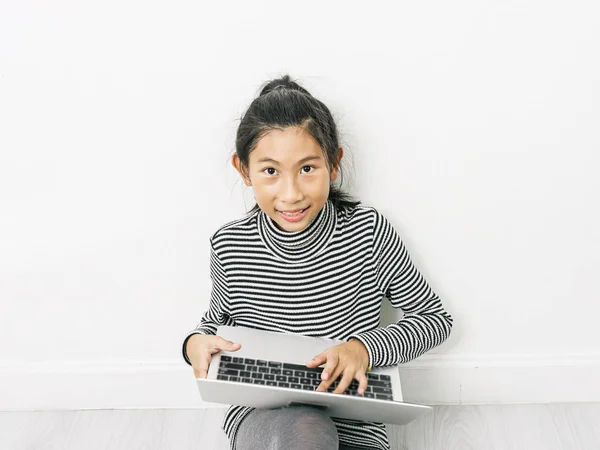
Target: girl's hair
x=283 y=103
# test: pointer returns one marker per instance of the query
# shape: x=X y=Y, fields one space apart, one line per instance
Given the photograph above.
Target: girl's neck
x=298 y=245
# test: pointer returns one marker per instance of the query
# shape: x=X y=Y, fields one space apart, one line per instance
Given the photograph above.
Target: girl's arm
x=425 y=323
x=218 y=309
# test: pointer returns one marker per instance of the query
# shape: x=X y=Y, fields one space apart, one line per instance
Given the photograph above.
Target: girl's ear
x=336 y=168
x=242 y=170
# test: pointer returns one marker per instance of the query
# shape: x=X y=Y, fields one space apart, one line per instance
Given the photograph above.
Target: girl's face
x=290 y=177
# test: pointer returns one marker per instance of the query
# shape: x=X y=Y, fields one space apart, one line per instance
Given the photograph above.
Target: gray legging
x=292 y=428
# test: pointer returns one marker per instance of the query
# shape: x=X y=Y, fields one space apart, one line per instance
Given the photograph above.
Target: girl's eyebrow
x=302 y=161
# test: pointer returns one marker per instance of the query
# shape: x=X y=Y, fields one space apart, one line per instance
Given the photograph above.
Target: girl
x=309 y=260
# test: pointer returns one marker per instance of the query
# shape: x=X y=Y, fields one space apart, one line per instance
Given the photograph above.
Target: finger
x=325 y=384
x=332 y=362
x=363 y=383
x=201 y=370
x=344 y=382
x=331 y=377
x=317 y=360
x=228 y=346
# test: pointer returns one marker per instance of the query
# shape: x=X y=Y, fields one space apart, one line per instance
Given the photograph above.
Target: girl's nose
x=290 y=191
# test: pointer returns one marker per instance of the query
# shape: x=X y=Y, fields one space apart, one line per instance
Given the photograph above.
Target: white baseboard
x=502 y=379
x=431 y=379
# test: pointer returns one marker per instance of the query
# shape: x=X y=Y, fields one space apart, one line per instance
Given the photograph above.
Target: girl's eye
x=307 y=169
x=270 y=171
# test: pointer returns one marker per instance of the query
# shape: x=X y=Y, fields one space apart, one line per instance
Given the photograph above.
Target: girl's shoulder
x=368 y=215
x=359 y=212
x=237 y=229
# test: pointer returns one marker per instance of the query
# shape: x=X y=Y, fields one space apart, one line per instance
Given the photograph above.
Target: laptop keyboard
x=294 y=376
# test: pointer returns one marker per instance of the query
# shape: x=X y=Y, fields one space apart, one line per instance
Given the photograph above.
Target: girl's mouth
x=294 y=216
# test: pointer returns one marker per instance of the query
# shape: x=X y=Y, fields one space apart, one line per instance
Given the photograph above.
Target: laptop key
x=305 y=381
x=287 y=385
x=271 y=383
x=383 y=397
x=225 y=358
x=312 y=375
x=294 y=380
x=253 y=369
x=316 y=382
x=238 y=360
x=385 y=378
x=280 y=378
x=274 y=364
x=257 y=375
x=308 y=388
x=261 y=363
x=249 y=361
x=267 y=376
x=296 y=386
x=234 y=379
x=245 y=374
x=222 y=377
x=229 y=372
x=369 y=395
x=259 y=381
x=372 y=376
x=299 y=373
x=263 y=369
x=380 y=390
x=276 y=371
x=226 y=365
x=288 y=372
x=379 y=383
x=294 y=366
x=247 y=380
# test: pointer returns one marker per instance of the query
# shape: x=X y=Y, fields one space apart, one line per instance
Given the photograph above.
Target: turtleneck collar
x=299 y=246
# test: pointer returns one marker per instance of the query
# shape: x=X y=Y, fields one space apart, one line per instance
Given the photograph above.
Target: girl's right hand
x=201 y=347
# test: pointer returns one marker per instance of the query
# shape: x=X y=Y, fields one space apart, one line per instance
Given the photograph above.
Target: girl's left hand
x=350 y=359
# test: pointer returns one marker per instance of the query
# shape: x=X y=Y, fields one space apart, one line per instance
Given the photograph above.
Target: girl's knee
x=310 y=428
x=294 y=428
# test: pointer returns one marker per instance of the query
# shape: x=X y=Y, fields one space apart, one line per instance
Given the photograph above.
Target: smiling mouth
x=293 y=213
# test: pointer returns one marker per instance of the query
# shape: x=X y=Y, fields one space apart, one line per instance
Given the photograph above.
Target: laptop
x=269 y=371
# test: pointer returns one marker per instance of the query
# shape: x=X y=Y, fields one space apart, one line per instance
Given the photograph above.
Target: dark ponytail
x=281 y=104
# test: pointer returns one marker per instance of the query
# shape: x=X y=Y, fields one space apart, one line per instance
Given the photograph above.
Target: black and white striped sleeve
x=218 y=309
x=425 y=323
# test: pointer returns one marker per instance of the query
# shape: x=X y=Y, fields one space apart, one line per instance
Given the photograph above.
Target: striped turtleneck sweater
x=327 y=280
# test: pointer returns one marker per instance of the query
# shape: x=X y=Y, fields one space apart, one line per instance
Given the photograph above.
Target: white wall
x=472 y=125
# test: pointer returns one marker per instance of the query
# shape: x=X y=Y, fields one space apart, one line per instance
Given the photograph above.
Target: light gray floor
x=526 y=427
